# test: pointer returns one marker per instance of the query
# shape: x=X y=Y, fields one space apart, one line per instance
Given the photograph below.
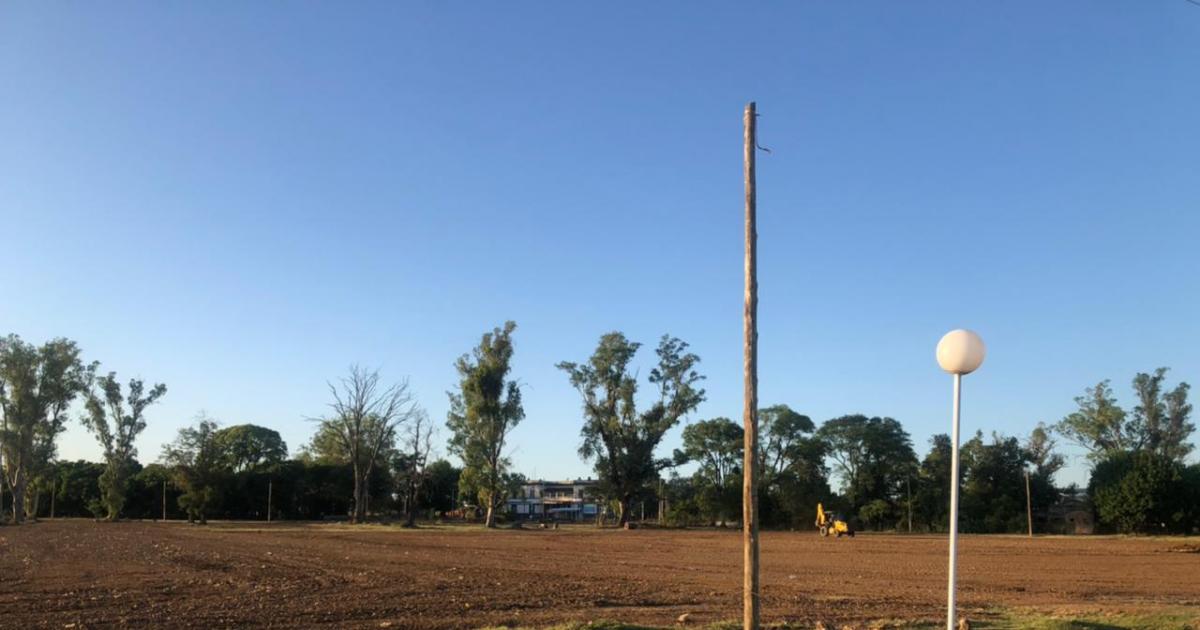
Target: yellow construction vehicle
x=832 y=523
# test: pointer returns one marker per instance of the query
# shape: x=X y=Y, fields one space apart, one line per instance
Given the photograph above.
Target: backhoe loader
x=832 y=523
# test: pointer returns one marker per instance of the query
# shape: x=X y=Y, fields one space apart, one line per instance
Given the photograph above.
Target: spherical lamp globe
x=960 y=352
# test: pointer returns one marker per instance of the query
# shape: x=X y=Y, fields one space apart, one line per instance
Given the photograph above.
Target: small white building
x=555 y=500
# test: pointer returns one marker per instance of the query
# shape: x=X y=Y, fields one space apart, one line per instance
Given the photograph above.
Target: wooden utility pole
x=750 y=601
x=1028 y=504
x=164 y=500
x=270 y=493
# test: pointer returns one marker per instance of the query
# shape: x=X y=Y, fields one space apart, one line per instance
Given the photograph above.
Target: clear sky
x=242 y=199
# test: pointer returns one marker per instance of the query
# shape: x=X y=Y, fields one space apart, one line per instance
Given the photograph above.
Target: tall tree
x=1044 y=463
x=873 y=456
x=716 y=446
x=411 y=464
x=249 y=446
x=993 y=491
x=1099 y=425
x=932 y=500
x=619 y=439
x=37 y=386
x=786 y=443
x=117 y=420
x=486 y=407
x=1162 y=417
x=793 y=475
x=199 y=465
x=1159 y=423
x=366 y=415
x=1178 y=428
x=1149 y=413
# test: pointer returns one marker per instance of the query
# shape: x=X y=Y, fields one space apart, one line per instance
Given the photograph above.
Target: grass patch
x=1167 y=620
x=1001 y=621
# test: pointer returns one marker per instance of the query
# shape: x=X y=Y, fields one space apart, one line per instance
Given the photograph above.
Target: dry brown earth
x=58 y=573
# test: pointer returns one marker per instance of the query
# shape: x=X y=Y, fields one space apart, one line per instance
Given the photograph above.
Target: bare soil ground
x=80 y=574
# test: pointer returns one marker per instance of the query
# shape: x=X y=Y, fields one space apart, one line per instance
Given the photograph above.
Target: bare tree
x=365 y=418
x=412 y=463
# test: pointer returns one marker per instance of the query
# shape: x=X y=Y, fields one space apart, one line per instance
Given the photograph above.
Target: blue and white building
x=555 y=500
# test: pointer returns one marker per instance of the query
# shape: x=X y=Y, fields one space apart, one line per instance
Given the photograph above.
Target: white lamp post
x=959 y=352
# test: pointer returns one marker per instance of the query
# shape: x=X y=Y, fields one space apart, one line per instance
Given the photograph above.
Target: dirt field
x=54 y=574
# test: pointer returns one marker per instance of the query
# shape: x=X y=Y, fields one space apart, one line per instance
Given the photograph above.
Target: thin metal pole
x=953 y=506
x=1028 y=504
x=750 y=601
x=270 y=496
x=164 y=500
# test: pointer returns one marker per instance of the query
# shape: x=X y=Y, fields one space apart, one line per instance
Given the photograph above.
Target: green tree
x=1044 y=464
x=873 y=456
x=620 y=440
x=486 y=407
x=874 y=513
x=1174 y=442
x=325 y=447
x=441 y=486
x=77 y=488
x=932 y=500
x=993 y=490
x=249 y=447
x=200 y=466
x=1143 y=492
x=682 y=502
x=793 y=477
x=1100 y=424
x=37 y=385
x=146 y=492
x=716 y=445
x=786 y=443
x=365 y=418
x=1162 y=417
x=1159 y=423
x=117 y=420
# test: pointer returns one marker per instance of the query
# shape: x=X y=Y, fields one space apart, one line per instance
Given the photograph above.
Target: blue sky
x=242 y=200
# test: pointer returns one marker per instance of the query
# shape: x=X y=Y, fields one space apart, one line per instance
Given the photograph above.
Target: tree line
x=371 y=453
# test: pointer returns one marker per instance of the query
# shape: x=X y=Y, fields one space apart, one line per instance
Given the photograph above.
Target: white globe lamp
x=961 y=351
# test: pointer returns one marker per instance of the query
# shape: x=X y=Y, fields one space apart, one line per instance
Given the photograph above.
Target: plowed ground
x=58 y=573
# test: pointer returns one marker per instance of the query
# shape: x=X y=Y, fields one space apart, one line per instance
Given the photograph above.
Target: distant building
x=1072 y=514
x=554 y=500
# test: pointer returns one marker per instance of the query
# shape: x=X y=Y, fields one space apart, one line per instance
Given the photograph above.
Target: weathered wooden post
x=750 y=599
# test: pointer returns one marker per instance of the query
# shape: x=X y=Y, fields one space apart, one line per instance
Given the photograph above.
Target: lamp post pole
x=1028 y=505
x=951 y=586
x=959 y=352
